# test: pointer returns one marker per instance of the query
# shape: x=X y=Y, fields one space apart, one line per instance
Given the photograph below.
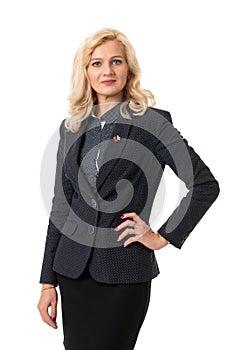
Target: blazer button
x=91 y=229
x=93 y=203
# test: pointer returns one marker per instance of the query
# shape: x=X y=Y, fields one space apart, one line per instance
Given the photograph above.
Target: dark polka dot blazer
x=83 y=217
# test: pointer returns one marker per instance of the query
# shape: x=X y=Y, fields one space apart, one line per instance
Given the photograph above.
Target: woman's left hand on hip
x=143 y=232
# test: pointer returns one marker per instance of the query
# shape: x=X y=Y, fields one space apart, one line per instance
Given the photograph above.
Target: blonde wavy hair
x=82 y=96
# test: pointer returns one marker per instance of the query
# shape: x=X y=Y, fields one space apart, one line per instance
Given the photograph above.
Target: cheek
x=92 y=76
x=124 y=75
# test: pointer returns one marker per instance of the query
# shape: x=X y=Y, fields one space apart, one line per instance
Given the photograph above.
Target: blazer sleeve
x=203 y=189
x=63 y=192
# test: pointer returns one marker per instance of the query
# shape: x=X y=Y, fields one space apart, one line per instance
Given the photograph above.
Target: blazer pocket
x=69 y=228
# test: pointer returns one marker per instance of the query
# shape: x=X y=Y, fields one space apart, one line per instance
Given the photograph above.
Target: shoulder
x=153 y=118
x=62 y=126
x=162 y=112
x=154 y=121
x=64 y=132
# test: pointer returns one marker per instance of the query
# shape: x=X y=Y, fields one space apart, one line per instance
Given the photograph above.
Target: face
x=108 y=71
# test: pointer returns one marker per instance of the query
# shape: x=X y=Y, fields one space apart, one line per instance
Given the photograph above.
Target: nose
x=108 y=68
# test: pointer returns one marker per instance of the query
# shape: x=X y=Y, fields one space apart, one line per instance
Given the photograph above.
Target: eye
x=116 y=62
x=96 y=64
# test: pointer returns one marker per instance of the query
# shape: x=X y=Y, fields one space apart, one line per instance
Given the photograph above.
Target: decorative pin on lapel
x=116 y=138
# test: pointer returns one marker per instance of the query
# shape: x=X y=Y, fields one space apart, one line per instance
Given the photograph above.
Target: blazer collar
x=109 y=116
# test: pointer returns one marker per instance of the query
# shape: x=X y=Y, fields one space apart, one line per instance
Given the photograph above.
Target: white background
x=184 y=49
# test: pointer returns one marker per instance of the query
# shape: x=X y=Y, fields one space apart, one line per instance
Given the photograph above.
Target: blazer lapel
x=72 y=165
x=114 y=149
x=111 y=156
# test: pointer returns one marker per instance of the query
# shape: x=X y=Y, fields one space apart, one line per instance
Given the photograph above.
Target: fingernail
x=122 y=216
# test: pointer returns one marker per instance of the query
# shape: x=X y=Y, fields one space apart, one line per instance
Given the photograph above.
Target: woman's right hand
x=48 y=299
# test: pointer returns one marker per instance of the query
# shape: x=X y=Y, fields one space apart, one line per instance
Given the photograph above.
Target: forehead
x=109 y=48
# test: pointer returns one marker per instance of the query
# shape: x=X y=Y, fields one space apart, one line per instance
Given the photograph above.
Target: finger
x=47 y=319
x=54 y=311
x=125 y=233
x=125 y=224
x=130 y=240
x=132 y=215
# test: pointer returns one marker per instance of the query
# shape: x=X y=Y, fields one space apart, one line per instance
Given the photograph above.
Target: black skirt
x=100 y=316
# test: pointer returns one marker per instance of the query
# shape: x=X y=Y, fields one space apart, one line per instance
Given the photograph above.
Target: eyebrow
x=116 y=56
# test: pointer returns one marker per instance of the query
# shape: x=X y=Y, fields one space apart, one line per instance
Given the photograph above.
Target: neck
x=104 y=103
x=104 y=107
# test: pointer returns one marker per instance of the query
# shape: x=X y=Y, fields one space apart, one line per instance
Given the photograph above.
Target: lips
x=108 y=82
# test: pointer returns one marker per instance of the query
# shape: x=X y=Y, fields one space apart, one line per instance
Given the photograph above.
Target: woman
x=112 y=152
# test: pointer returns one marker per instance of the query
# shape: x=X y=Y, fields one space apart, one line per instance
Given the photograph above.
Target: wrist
x=45 y=285
x=160 y=238
x=163 y=239
x=51 y=287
